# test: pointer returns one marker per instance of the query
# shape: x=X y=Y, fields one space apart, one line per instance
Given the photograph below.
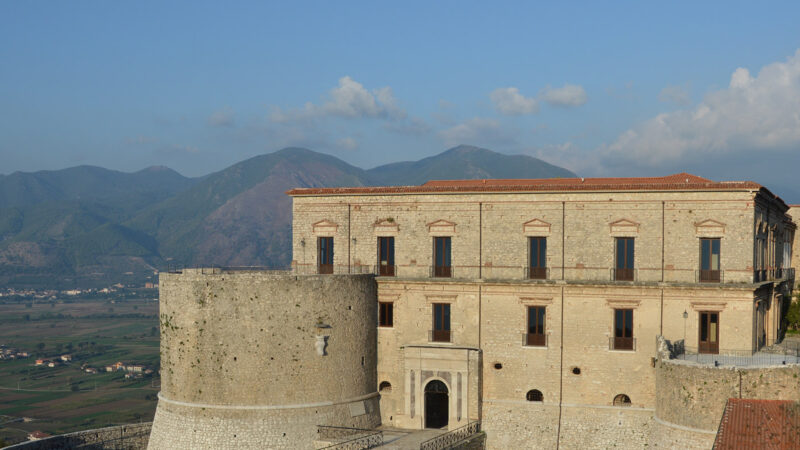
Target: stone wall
x=240 y=361
x=693 y=395
x=128 y=437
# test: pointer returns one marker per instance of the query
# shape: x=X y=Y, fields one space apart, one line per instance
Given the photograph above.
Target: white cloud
x=222 y=118
x=510 y=102
x=567 y=95
x=347 y=143
x=476 y=131
x=350 y=100
x=675 y=94
x=751 y=115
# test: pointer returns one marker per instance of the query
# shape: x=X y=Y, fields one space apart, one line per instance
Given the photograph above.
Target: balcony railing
x=441 y=271
x=534 y=340
x=440 y=336
x=740 y=358
x=622 y=343
x=537 y=273
x=708 y=276
x=618 y=274
x=385 y=270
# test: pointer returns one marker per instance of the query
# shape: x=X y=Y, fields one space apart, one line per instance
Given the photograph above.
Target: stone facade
x=578 y=371
x=242 y=365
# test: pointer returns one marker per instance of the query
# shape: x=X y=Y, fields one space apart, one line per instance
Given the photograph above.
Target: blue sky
x=629 y=88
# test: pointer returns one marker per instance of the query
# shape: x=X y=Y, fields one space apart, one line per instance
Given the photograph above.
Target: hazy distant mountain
x=88 y=225
x=465 y=162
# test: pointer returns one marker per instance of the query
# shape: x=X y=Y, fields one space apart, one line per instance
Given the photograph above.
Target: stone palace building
x=534 y=305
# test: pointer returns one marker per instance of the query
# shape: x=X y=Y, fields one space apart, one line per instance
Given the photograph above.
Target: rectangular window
x=441 y=257
x=536 y=320
x=623 y=329
x=538 y=258
x=709 y=332
x=709 y=260
x=624 y=256
x=325 y=254
x=441 y=322
x=385 y=314
x=386 y=256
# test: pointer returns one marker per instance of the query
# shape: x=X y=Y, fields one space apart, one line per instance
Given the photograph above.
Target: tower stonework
x=254 y=359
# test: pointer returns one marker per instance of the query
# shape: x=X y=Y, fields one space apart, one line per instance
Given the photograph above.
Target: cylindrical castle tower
x=259 y=359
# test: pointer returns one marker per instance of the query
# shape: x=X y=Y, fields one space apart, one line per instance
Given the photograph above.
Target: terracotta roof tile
x=676 y=182
x=758 y=424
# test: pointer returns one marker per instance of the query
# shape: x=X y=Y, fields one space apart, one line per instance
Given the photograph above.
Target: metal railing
x=740 y=358
x=441 y=271
x=709 y=276
x=449 y=439
x=618 y=274
x=385 y=270
x=534 y=340
x=440 y=336
x=537 y=273
x=622 y=344
x=352 y=438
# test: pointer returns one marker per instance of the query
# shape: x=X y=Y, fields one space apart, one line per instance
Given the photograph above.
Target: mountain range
x=88 y=226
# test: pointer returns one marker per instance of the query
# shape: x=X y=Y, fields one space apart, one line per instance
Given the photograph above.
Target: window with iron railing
x=386 y=266
x=623 y=270
x=623 y=330
x=537 y=249
x=441 y=257
x=709 y=260
x=535 y=336
x=441 y=323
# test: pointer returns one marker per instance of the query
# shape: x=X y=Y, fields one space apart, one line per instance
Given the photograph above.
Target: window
x=537 y=249
x=441 y=322
x=624 y=265
x=325 y=254
x=386 y=256
x=534 y=395
x=385 y=387
x=709 y=260
x=441 y=257
x=535 y=335
x=622 y=400
x=623 y=329
x=385 y=314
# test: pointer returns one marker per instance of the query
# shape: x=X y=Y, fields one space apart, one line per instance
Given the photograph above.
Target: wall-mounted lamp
x=354 y=241
x=303 y=242
x=685 y=314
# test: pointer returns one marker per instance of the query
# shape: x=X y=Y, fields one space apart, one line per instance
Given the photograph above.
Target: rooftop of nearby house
x=674 y=182
x=756 y=424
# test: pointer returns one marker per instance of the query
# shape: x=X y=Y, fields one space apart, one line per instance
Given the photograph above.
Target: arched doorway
x=437 y=403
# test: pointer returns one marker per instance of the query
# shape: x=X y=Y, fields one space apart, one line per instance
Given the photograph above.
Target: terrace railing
x=449 y=439
x=349 y=438
x=774 y=356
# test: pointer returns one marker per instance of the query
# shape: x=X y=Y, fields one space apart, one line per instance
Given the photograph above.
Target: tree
x=75 y=387
x=40 y=346
x=793 y=315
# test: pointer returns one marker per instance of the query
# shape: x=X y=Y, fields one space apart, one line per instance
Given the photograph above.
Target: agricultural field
x=65 y=398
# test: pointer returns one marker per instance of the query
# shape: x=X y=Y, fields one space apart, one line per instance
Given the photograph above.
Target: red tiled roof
x=757 y=424
x=674 y=182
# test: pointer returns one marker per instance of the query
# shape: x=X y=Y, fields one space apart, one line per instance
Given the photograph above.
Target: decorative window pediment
x=441 y=298
x=442 y=227
x=709 y=228
x=708 y=306
x=535 y=301
x=623 y=303
x=624 y=228
x=324 y=228
x=386 y=227
x=536 y=227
